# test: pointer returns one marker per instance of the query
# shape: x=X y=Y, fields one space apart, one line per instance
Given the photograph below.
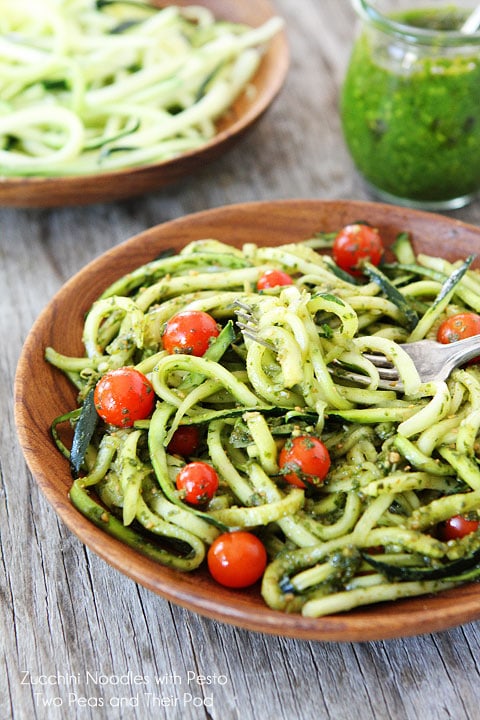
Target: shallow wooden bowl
x=120 y=184
x=42 y=393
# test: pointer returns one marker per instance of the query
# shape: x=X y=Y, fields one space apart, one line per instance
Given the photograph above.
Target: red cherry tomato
x=355 y=243
x=185 y=440
x=198 y=482
x=457 y=527
x=237 y=559
x=189 y=332
x=273 y=278
x=458 y=327
x=304 y=460
x=124 y=395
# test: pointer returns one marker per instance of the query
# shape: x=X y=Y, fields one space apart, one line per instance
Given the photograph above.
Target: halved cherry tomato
x=124 y=395
x=457 y=527
x=198 y=482
x=237 y=559
x=273 y=278
x=304 y=461
x=189 y=332
x=185 y=440
x=356 y=243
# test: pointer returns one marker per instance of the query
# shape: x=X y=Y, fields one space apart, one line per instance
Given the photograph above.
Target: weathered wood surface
x=68 y=619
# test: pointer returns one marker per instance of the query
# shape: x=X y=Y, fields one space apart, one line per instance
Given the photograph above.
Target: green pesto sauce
x=415 y=135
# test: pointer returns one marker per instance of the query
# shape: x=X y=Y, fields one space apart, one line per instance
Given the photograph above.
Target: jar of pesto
x=410 y=103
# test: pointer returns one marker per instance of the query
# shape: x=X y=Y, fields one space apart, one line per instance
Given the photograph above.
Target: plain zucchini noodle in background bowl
x=96 y=91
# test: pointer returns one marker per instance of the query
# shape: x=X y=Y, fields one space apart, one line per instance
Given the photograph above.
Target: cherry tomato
x=189 y=332
x=304 y=460
x=273 y=278
x=198 y=482
x=185 y=440
x=237 y=559
x=458 y=327
x=355 y=243
x=124 y=395
x=457 y=527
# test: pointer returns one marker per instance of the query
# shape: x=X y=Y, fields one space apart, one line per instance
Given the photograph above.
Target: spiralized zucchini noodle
x=97 y=85
x=403 y=459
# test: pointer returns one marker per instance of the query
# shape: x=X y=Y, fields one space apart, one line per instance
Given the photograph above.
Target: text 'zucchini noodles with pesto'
x=397 y=464
x=98 y=85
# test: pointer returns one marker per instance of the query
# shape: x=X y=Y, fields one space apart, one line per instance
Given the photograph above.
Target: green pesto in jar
x=415 y=133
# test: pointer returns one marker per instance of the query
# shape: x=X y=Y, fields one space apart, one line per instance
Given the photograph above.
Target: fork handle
x=460 y=351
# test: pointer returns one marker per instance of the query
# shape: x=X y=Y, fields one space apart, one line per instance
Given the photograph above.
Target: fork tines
x=248 y=324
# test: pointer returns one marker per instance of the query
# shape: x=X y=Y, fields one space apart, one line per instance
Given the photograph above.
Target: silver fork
x=434 y=361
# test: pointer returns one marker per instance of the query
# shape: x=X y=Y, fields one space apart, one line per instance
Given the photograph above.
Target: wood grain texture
x=64 y=611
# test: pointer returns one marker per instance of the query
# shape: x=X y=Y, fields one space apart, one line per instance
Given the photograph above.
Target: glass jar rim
x=409 y=33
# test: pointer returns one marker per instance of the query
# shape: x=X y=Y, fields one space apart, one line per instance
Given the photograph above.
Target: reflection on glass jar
x=411 y=104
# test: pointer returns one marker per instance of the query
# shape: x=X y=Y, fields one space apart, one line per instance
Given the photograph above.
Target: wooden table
x=68 y=619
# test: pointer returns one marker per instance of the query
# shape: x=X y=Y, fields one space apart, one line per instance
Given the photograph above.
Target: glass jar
x=410 y=103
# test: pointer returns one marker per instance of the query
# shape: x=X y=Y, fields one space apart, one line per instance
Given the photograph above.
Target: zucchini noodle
x=403 y=459
x=97 y=85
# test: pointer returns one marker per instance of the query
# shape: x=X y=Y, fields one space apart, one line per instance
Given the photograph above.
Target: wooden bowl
x=130 y=182
x=42 y=393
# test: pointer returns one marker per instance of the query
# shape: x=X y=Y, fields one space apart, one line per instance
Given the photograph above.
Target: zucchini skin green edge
x=410 y=317
x=103 y=519
x=84 y=429
x=460 y=571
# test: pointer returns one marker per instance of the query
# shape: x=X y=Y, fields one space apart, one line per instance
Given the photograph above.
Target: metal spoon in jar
x=470 y=26
x=472 y=23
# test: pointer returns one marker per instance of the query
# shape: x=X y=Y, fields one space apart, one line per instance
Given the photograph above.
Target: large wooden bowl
x=116 y=185
x=42 y=393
